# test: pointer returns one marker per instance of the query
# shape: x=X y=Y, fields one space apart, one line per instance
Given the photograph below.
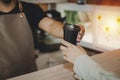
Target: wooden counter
x=109 y=61
x=53 y=73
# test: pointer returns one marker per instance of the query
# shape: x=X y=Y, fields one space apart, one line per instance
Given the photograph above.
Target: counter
x=109 y=61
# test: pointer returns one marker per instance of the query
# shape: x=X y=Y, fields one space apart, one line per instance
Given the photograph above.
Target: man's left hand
x=81 y=33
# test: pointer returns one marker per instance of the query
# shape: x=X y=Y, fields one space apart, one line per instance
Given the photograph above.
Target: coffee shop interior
x=101 y=20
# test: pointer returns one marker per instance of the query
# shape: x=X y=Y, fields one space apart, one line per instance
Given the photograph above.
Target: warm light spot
x=99 y=17
x=107 y=28
x=118 y=20
x=111 y=24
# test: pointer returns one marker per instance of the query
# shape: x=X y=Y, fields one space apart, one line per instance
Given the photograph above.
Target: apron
x=16 y=46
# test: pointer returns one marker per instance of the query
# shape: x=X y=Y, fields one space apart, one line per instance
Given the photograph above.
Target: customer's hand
x=71 y=52
x=81 y=33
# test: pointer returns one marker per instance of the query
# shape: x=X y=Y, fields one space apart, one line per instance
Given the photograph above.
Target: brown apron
x=16 y=46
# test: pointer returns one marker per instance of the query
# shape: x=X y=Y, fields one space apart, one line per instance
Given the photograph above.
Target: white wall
x=96 y=37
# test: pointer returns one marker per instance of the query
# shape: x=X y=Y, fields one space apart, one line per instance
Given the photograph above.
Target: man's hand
x=81 y=33
x=55 y=28
x=71 y=52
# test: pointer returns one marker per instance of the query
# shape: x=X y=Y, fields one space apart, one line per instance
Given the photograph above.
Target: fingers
x=82 y=29
x=82 y=49
x=67 y=44
x=79 y=37
x=66 y=58
x=81 y=33
x=64 y=50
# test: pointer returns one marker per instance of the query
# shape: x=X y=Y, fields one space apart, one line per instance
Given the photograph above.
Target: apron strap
x=20 y=6
x=21 y=9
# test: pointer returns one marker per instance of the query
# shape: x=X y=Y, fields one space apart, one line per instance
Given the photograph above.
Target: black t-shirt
x=34 y=15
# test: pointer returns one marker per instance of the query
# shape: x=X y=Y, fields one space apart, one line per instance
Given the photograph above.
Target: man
x=17 y=23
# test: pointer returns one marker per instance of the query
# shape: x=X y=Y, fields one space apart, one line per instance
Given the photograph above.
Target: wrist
x=77 y=57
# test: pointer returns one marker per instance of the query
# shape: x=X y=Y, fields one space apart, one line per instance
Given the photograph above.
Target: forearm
x=56 y=29
x=87 y=69
x=52 y=27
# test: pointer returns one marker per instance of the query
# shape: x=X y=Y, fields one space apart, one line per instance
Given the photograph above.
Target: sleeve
x=37 y=14
x=33 y=13
x=87 y=69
